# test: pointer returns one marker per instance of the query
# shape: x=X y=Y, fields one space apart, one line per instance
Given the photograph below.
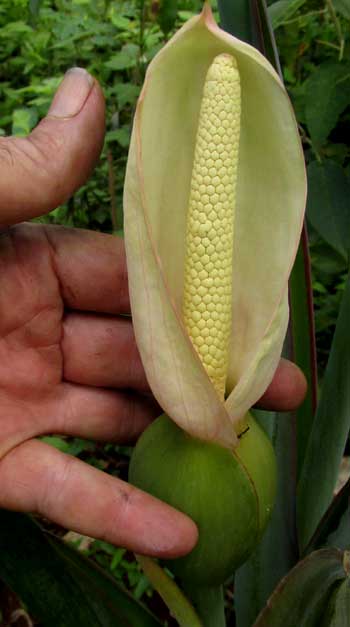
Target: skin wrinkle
x=11 y=486
x=55 y=485
x=131 y=418
x=47 y=144
x=115 y=514
x=28 y=334
x=67 y=413
x=34 y=157
x=133 y=363
x=123 y=286
x=7 y=336
x=5 y=152
x=90 y=338
x=29 y=154
x=69 y=294
x=55 y=273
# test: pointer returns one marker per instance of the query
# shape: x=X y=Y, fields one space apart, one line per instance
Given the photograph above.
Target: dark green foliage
x=328 y=204
x=329 y=433
x=309 y=595
x=61 y=588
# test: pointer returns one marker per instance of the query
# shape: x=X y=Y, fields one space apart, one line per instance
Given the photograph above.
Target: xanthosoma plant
x=214 y=201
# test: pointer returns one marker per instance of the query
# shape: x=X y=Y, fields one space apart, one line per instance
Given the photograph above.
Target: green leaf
x=338 y=612
x=302 y=597
x=283 y=10
x=59 y=586
x=167 y=15
x=34 y=10
x=121 y=61
x=328 y=203
x=127 y=93
x=329 y=432
x=119 y=21
x=236 y=18
x=23 y=120
x=334 y=528
x=184 y=16
x=120 y=135
x=267 y=42
x=327 y=95
x=304 y=347
x=342 y=7
x=13 y=29
x=71 y=446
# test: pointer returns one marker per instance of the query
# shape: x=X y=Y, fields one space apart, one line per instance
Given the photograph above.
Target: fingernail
x=72 y=93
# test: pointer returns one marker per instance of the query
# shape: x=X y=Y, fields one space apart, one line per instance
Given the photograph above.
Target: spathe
x=269 y=213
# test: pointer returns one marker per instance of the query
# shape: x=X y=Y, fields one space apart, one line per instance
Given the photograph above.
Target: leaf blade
x=328 y=204
x=327 y=95
x=321 y=464
x=64 y=588
x=304 y=345
x=301 y=598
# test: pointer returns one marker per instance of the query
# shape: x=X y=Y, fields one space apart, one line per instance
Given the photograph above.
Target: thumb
x=39 y=172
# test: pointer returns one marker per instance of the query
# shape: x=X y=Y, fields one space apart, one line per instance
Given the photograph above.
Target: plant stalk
x=179 y=606
x=209 y=604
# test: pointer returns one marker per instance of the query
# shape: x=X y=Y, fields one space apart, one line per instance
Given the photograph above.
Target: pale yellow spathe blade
x=270 y=205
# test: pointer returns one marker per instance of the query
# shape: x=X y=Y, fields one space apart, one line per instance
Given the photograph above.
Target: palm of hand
x=56 y=362
x=59 y=373
x=31 y=325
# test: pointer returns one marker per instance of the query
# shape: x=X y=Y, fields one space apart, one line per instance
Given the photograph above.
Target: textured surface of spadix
x=270 y=204
x=207 y=310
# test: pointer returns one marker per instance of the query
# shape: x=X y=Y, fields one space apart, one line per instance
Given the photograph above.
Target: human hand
x=68 y=358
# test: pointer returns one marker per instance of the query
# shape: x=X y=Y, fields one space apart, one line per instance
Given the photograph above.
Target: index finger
x=91 y=268
x=35 y=477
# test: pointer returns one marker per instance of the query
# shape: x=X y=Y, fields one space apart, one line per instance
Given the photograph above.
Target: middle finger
x=101 y=351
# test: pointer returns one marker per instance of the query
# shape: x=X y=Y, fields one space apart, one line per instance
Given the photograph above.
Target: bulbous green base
x=229 y=494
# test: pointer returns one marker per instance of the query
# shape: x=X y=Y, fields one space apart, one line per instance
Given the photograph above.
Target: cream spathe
x=270 y=203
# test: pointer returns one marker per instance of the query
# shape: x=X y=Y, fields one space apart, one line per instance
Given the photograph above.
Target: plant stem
x=209 y=604
x=179 y=606
x=338 y=28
